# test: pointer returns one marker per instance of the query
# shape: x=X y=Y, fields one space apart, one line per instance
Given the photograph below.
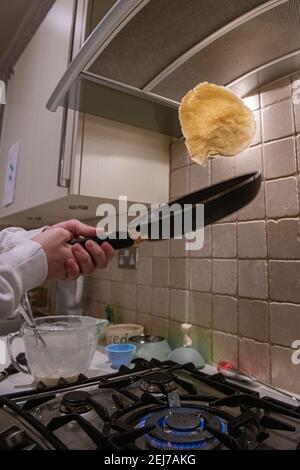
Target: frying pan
x=219 y=200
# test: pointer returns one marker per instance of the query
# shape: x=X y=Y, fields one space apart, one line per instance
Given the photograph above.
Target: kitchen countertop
x=101 y=366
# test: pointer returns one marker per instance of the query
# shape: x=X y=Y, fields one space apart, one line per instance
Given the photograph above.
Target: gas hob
x=154 y=405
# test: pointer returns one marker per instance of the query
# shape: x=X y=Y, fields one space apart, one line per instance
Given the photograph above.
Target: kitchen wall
x=241 y=292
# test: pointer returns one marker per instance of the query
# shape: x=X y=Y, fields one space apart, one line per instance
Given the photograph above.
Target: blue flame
x=161 y=444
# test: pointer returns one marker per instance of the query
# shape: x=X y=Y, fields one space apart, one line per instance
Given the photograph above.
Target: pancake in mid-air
x=215 y=121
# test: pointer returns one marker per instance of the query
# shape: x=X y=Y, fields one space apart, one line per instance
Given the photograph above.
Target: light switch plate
x=128 y=258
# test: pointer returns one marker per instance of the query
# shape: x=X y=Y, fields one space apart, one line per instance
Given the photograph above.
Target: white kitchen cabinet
x=26 y=118
x=102 y=159
x=118 y=159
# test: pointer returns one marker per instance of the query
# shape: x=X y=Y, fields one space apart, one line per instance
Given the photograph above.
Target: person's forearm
x=22 y=268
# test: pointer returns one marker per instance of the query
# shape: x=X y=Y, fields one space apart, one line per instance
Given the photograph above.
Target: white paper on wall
x=2 y=92
x=11 y=172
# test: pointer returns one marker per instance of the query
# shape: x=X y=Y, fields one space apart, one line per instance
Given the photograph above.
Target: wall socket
x=128 y=258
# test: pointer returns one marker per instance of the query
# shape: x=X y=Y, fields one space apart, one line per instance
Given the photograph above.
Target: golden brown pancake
x=215 y=121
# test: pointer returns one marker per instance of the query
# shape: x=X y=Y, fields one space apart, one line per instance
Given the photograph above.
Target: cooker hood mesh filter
x=263 y=39
x=160 y=33
x=168 y=47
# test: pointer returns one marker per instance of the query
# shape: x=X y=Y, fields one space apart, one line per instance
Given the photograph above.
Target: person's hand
x=62 y=263
x=88 y=258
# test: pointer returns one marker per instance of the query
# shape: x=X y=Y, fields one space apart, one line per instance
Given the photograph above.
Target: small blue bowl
x=120 y=354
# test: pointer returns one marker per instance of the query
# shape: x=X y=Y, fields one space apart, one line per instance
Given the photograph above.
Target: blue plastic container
x=120 y=354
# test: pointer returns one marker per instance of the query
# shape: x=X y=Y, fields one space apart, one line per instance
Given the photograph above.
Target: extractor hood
x=144 y=55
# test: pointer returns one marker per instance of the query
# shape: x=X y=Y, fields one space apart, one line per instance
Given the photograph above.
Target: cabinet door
x=26 y=118
x=118 y=159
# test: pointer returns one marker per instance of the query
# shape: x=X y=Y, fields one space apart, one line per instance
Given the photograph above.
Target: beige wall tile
x=282 y=198
x=285 y=374
x=179 y=182
x=179 y=273
x=200 y=274
x=255 y=210
x=116 y=273
x=177 y=248
x=222 y=168
x=199 y=176
x=298 y=151
x=253 y=281
x=249 y=160
x=160 y=272
x=129 y=296
x=179 y=305
x=144 y=299
x=253 y=319
x=145 y=320
x=225 y=348
x=161 y=248
x=178 y=155
x=284 y=281
x=176 y=337
x=129 y=316
x=275 y=92
x=144 y=272
x=277 y=121
x=202 y=341
x=94 y=309
x=104 y=291
x=130 y=275
x=224 y=241
x=285 y=323
x=279 y=158
x=283 y=239
x=160 y=327
x=229 y=218
x=145 y=249
x=225 y=313
x=254 y=359
x=91 y=289
x=200 y=309
x=116 y=293
x=107 y=272
x=224 y=276
x=160 y=302
x=252 y=239
x=205 y=252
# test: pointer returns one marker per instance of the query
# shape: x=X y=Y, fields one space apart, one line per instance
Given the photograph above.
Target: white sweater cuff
x=29 y=261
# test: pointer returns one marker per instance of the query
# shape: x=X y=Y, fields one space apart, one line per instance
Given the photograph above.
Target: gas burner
x=76 y=402
x=183 y=429
x=158 y=382
x=111 y=413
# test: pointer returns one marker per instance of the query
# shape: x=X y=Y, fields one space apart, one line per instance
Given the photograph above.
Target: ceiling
x=19 y=20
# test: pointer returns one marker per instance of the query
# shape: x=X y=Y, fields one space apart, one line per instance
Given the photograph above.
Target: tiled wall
x=241 y=292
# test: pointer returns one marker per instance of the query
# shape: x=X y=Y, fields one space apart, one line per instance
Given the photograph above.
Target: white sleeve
x=13 y=236
x=21 y=268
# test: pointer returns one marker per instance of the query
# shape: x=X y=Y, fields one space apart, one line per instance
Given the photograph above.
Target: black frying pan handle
x=114 y=240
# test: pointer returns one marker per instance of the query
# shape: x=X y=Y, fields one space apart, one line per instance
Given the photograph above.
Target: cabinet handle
x=67 y=131
x=61 y=180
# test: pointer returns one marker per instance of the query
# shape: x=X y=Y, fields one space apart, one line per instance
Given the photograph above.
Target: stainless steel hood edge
x=119 y=15
x=254 y=75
